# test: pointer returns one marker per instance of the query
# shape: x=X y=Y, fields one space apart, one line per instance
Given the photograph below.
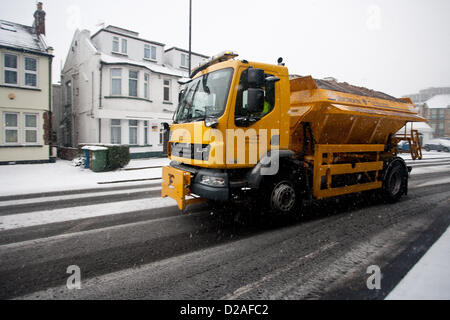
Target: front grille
x=190 y=151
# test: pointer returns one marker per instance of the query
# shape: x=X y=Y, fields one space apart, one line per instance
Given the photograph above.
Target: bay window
x=132 y=83
x=146 y=85
x=116 y=82
x=133 y=128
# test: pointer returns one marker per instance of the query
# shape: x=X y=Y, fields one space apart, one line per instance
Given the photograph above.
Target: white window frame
x=151 y=52
x=123 y=48
x=5 y=68
x=133 y=79
x=146 y=85
x=116 y=78
x=170 y=89
x=186 y=60
x=135 y=128
x=25 y=71
x=25 y=128
x=112 y=126
x=11 y=128
x=116 y=39
x=147 y=47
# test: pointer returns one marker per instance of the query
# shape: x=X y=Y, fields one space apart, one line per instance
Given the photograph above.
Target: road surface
x=208 y=253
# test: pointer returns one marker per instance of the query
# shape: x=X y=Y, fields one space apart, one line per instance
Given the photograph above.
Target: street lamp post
x=190 y=34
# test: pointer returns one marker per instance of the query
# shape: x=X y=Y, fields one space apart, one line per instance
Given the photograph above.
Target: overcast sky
x=395 y=46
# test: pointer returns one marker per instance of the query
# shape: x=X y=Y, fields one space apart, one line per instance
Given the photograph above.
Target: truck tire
x=281 y=195
x=395 y=182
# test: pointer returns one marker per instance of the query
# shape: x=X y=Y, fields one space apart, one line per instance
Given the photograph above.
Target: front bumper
x=183 y=184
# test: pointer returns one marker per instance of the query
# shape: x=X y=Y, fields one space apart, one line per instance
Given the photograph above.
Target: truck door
x=260 y=130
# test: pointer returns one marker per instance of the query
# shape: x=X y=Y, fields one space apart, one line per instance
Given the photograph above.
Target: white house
x=118 y=89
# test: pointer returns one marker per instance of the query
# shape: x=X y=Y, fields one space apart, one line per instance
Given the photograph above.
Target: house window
x=68 y=93
x=434 y=113
x=149 y=52
x=31 y=128
x=185 y=60
x=116 y=82
x=132 y=83
x=146 y=85
x=30 y=72
x=10 y=69
x=167 y=90
x=124 y=46
x=133 y=127
x=11 y=127
x=116 y=131
x=115 y=46
x=146 y=132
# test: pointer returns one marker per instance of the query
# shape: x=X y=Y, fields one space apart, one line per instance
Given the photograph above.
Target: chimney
x=39 y=20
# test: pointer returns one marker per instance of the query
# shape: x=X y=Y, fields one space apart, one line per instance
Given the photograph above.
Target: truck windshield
x=205 y=96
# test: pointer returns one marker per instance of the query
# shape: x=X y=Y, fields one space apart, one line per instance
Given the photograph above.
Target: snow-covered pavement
x=429 y=279
x=62 y=175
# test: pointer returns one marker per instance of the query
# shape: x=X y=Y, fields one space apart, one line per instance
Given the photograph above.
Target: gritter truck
x=246 y=129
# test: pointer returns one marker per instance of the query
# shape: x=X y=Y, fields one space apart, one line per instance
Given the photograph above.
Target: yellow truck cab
x=250 y=128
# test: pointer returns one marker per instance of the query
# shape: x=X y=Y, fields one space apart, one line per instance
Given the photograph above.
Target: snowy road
x=131 y=244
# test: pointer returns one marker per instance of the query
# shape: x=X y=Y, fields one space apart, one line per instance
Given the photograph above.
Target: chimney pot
x=39 y=20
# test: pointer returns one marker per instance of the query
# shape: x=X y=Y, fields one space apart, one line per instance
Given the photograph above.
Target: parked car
x=403 y=146
x=438 y=145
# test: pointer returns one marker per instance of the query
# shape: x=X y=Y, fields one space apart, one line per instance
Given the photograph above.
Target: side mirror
x=255 y=100
x=180 y=95
x=272 y=79
x=165 y=126
x=211 y=122
x=255 y=78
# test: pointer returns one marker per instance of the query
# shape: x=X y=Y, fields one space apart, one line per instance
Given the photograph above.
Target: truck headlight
x=213 y=181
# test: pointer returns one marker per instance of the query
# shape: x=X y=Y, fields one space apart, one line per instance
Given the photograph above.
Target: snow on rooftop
x=421 y=126
x=108 y=59
x=439 y=101
x=20 y=36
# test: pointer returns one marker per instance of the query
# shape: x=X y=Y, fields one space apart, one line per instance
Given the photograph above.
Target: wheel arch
x=278 y=158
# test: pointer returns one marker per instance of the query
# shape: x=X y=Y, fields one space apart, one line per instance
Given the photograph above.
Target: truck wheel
x=394 y=185
x=427 y=149
x=282 y=196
